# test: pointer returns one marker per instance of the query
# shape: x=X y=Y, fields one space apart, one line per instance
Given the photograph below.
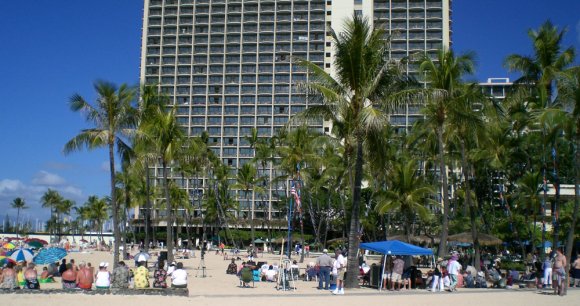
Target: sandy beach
x=219 y=288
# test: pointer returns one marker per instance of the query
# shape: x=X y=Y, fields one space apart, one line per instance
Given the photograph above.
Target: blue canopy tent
x=394 y=247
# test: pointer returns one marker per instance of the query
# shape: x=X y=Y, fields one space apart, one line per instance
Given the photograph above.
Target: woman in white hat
x=103 y=277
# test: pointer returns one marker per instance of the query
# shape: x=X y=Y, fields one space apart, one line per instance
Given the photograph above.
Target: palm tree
x=63 y=209
x=247 y=179
x=569 y=95
x=51 y=199
x=365 y=88
x=83 y=215
x=97 y=213
x=408 y=194
x=18 y=204
x=112 y=116
x=528 y=192
x=466 y=125
x=165 y=138
x=547 y=61
x=151 y=102
x=444 y=74
x=539 y=71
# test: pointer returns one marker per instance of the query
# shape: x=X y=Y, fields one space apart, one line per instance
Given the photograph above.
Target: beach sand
x=219 y=288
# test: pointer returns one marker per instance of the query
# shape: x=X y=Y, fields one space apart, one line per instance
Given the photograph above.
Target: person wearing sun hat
x=453 y=268
x=324 y=263
x=103 y=277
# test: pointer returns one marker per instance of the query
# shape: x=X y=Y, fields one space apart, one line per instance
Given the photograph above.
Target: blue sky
x=52 y=49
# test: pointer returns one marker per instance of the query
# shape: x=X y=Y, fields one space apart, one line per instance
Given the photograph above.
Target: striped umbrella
x=49 y=255
x=4 y=260
x=22 y=255
x=9 y=245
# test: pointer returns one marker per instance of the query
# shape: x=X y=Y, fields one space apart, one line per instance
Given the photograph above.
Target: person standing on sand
x=324 y=263
x=576 y=271
x=84 y=277
x=559 y=272
x=340 y=265
x=453 y=268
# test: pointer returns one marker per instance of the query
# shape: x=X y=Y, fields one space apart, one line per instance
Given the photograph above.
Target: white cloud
x=32 y=193
x=72 y=191
x=46 y=178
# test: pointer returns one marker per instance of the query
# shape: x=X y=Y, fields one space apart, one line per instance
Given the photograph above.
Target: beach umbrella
x=142 y=256
x=35 y=244
x=4 y=260
x=9 y=245
x=22 y=254
x=36 y=240
x=49 y=255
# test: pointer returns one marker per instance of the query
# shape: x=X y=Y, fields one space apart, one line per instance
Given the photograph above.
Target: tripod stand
x=201 y=267
x=286 y=277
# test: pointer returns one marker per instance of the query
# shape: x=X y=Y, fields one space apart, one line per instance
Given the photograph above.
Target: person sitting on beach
x=84 y=277
x=103 y=277
x=19 y=275
x=53 y=269
x=179 y=277
x=160 y=276
x=141 y=276
x=45 y=277
x=120 y=277
x=232 y=267
x=171 y=268
x=31 y=278
x=270 y=274
x=69 y=279
x=8 y=277
x=62 y=267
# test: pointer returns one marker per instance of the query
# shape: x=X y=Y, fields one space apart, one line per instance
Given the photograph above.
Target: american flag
x=296 y=196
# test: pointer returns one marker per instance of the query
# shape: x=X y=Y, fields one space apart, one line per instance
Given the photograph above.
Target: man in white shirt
x=179 y=277
x=271 y=274
x=340 y=266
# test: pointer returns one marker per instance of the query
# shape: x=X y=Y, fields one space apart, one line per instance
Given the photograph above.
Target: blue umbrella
x=49 y=255
x=22 y=254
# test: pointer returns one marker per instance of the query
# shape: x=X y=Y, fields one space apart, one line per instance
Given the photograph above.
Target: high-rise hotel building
x=228 y=64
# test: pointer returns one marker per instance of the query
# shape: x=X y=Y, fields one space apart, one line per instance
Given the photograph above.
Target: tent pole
x=383 y=273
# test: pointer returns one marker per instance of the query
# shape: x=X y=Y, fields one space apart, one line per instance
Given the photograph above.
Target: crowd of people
x=84 y=276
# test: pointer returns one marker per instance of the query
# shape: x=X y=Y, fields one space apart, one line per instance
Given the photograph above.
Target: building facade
x=228 y=65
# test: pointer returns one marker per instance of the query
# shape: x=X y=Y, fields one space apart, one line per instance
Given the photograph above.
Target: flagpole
x=290 y=207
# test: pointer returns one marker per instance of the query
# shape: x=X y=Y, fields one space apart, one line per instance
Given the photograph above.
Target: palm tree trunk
x=352 y=269
x=147 y=208
x=472 y=207
x=315 y=226
x=442 y=251
x=17 y=222
x=114 y=206
x=556 y=212
x=169 y=213
x=252 y=229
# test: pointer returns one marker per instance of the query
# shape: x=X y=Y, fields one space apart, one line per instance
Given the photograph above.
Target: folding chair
x=246 y=277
